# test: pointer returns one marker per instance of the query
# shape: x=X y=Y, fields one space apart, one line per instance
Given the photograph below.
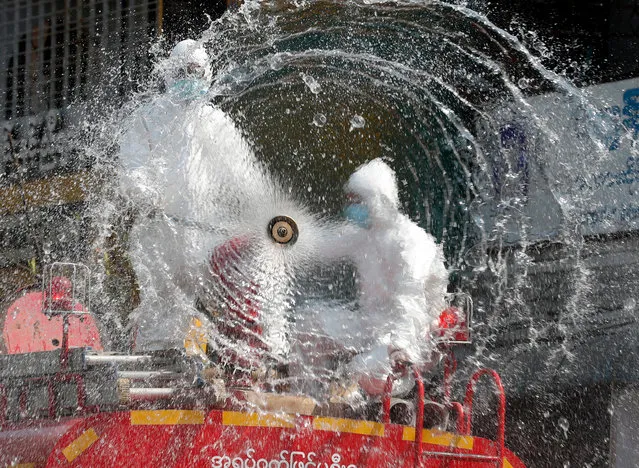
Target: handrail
x=460 y=426
x=419 y=419
x=386 y=402
x=468 y=405
x=464 y=412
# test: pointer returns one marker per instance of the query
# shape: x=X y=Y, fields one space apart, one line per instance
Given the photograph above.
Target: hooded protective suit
x=402 y=282
x=178 y=155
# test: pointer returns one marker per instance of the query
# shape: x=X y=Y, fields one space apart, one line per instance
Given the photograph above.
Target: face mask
x=358 y=214
x=189 y=88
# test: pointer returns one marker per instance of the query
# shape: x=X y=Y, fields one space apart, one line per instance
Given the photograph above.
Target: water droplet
x=276 y=61
x=564 y=425
x=357 y=122
x=319 y=120
x=312 y=83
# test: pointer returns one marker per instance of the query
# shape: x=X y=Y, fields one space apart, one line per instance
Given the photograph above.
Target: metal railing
x=464 y=418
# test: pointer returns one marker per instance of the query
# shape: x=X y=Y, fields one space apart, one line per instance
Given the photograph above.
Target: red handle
x=386 y=404
x=461 y=422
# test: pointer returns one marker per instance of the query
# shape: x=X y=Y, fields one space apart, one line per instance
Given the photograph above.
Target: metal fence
x=54 y=53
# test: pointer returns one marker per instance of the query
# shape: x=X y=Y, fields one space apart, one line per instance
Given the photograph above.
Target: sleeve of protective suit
x=337 y=241
x=135 y=158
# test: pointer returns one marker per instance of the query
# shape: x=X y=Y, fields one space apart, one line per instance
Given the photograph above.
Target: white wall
x=572 y=157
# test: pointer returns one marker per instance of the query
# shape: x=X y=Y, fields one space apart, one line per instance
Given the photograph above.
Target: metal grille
x=57 y=52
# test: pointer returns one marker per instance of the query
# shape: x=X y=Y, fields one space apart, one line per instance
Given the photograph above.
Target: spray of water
x=304 y=93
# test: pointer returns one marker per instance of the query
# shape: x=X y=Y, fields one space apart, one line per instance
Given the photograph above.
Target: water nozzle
x=283 y=230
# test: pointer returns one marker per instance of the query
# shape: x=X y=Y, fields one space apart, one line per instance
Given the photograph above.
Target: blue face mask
x=358 y=214
x=188 y=89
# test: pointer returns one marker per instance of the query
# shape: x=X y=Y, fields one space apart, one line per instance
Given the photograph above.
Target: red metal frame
x=468 y=405
x=419 y=419
x=460 y=426
x=212 y=440
x=386 y=402
x=464 y=413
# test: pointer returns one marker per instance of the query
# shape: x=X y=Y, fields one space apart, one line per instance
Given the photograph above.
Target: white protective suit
x=402 y=283
x=178 y=155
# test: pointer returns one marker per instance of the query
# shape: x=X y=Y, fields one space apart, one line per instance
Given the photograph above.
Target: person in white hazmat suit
x=177 y=156
x=402 y=283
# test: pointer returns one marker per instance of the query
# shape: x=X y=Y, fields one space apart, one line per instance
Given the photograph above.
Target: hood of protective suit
x=374 y=183
x=187 y=70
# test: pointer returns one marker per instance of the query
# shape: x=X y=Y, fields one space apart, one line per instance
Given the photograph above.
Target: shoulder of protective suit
x=411 y=226
x=212 y=116
x=418 y=245
x=211 y=111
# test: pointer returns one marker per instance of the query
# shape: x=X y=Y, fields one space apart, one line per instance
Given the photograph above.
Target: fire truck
x=65 y=401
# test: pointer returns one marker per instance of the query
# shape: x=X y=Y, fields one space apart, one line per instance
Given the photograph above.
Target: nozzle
x=283 y=230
